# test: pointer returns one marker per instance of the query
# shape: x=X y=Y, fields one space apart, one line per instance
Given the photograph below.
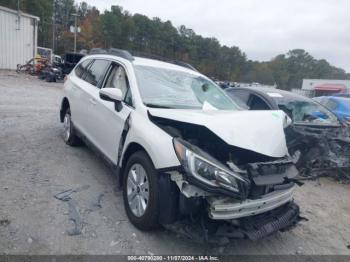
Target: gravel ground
x=35 y=164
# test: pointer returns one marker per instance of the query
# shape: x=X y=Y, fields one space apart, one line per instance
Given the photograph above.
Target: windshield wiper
x=157 y=106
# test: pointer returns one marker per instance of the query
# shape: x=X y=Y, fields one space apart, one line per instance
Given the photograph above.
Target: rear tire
x=69 y=134
x=140 y=192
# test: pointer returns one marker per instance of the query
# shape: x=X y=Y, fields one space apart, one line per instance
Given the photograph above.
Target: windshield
x=306 y=112
x=164 y=88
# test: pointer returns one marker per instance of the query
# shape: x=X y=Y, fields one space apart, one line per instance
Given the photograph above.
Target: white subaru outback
x=184 y=152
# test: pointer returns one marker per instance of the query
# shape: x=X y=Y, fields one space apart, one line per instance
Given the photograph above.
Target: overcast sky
x=261 y=28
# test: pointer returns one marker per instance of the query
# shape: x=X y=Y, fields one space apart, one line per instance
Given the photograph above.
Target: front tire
x=69 y=134
x=140 y=192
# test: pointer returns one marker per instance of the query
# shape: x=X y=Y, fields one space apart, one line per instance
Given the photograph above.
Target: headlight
x=206 y=169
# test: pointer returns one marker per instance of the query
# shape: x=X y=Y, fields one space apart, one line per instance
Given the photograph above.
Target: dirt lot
x=35 y=164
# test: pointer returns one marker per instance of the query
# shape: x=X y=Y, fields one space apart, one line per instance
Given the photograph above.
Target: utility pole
x=75 y=32
x=53 y=25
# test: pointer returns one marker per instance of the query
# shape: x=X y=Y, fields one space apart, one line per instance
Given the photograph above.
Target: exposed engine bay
x=260 y=203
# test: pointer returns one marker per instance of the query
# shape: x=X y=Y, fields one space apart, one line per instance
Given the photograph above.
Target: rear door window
x=95 y=73
x=257 y=103
x=240 y=97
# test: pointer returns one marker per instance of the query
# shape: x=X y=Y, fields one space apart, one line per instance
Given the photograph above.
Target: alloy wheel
x=137 y=190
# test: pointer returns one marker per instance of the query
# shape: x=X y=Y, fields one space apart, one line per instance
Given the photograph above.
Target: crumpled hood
x=258 y=131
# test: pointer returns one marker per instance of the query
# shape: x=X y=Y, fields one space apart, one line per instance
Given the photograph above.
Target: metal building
x=320 y=87
x=18 y=37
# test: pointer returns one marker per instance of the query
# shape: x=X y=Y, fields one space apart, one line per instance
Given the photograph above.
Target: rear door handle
x=92 y=101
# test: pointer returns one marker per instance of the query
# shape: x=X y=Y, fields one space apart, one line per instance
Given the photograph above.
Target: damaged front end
x=323 y=150
x=244 y=195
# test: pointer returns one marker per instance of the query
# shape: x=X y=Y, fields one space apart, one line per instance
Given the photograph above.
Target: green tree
x=118 y=28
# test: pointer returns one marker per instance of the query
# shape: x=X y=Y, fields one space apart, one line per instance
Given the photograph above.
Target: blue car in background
x=340 y=106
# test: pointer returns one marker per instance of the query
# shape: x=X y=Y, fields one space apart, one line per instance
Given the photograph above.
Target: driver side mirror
x=112 y=95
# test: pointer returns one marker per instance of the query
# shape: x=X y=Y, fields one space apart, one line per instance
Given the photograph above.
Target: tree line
x=136 y=32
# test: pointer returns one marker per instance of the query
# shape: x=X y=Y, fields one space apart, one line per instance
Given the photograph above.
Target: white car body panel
x=105 y=125
x=157 y=143
x=238 y=128
x=75 y=92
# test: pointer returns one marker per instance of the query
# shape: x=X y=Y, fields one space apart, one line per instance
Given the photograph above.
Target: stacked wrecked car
x=318 y=139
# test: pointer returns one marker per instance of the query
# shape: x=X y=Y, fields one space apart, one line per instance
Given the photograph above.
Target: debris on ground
x=96 y=204
x=66 y=195
x=114 y=243
x=4 y=222
x=195 y=233
x=74 y=216
x=73 y=213
x=299 y=250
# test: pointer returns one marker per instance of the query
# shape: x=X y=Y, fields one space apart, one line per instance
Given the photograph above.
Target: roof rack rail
x=126 y=55
x=112 y=51
x=160 y=58
x=183 y=64
x=121 y=53
x=94 y=51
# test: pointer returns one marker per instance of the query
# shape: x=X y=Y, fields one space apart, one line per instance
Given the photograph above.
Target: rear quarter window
x=240 y=97
x=81 y=68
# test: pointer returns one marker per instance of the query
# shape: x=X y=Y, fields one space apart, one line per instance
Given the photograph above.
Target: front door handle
x=92 y=101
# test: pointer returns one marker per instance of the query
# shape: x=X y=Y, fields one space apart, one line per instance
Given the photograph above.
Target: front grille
x=259 y=226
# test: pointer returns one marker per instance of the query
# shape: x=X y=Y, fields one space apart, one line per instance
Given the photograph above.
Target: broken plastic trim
x=121 y=146
x=273 y=172
x=224 y=209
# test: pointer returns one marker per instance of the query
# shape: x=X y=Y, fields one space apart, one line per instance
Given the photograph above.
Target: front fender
x=156 y=142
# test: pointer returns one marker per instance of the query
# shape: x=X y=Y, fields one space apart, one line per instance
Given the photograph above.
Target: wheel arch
x=132 y=148
x=168 y=190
